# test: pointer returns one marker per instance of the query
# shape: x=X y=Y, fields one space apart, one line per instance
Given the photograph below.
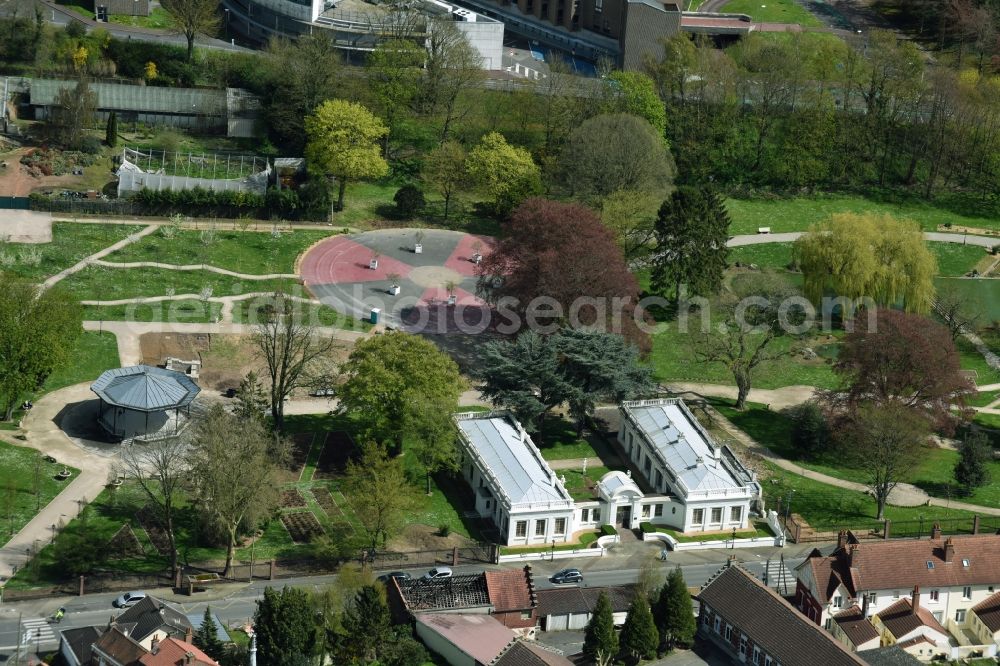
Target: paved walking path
x=42 y=430
x=194 y=267
x=87 y=261
x=791 y=236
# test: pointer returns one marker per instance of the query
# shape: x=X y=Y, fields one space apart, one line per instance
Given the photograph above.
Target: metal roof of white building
x=510 y=457
x=145 y=388
x=686 y=447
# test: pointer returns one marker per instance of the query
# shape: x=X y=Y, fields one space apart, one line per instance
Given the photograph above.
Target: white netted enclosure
x=162 y=170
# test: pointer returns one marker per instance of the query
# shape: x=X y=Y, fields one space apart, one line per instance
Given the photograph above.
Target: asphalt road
x=238 y=604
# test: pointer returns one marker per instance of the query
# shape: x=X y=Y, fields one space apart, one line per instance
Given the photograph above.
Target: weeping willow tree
x=869 y=255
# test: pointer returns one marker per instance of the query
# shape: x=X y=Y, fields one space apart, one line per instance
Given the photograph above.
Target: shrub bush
x=588 y=538
x=444 y=529
x=409 y=200
x=646 y=527
x=608 y=530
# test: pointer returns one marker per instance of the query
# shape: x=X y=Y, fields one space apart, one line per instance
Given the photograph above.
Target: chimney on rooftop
x=188 y=634
x=188 y=657
x=915 y=601
x=154 y=645
x=851 y=551
x=841 y=539
x=936 y=531
x=949 y=550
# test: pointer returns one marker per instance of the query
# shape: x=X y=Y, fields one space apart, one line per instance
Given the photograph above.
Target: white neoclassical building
x=692 y=484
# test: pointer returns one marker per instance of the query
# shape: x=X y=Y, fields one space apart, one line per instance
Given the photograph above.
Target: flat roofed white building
x=678 y=458
x=513 y=484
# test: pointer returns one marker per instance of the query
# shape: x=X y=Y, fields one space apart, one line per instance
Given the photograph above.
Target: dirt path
x=194 y=267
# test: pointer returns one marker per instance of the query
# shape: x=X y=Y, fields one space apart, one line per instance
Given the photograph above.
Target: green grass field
x=673 y=359
x=772 y=11
x=953 y=259
x=71 y=242
x=253 y=310
x=796 y=214
x=102 y=283
x=250 y=252
x=18 y=502
x=557 y=440
x=933 y=472
x=184 y=311
x=95 y=352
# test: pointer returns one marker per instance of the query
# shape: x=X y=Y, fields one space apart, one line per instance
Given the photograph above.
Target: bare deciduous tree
x=193 y=18
x=292 y=350
x=957 y=311
x=160 y=469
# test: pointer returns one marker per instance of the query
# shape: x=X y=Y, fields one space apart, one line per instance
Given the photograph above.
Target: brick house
x=755 y=625
x=953 y=575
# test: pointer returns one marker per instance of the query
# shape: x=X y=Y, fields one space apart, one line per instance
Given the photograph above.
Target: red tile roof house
x=984 y=620
x=508 y=595
x=909 y=625
x=953 y=574
x=855 y=630
x=755 y=625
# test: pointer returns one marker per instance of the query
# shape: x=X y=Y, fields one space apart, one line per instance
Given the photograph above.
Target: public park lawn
x=955 y=259
x=971 y=359
x=673 y=360
x=185 y=311
x=933 y=473
x=797 y=214
x=249 y=252
x=827 y=507
x=772 y=11
x=94 y=353
x=71 y=242
x=106 y=284
x=18 y=503
x=776 y=256
x=982 y=398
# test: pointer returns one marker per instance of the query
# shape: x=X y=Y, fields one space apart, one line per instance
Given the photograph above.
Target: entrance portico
x=622 y=499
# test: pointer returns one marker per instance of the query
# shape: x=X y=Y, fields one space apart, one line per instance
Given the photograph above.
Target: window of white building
x=521 y=528
x=658 y=510
x=585 y=515
x=539 y=528
x=560 y=526
x=960 y=615
x=966 y=592
x=645 y=510
x=736 y=514
x=698 y=516
x=935 y=595
x=717 y=515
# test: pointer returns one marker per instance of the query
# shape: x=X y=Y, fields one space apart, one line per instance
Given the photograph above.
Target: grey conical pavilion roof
x=144 y=388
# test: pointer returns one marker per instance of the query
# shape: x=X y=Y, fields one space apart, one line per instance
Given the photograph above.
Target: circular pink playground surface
x=339 y=271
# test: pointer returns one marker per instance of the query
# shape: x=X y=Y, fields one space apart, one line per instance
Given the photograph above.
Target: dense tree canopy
x=899 y=358
x=868 y=256
x=533 y=373
x=691 y=234
x=506 y=174
x=635 y=93
x=557 y=263
x=600 y=641
x=37 y=334
x=397 y=384
x=615 y=152
x=285 y=626
x=384 y=496
x=344 y=143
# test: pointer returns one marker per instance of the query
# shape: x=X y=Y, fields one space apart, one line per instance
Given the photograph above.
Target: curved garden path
x=193 y=267
x=87 y=261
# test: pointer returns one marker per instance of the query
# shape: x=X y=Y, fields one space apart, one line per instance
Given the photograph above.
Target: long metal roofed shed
x=507 y=454
x=143 y=390
x=696 y=462
x=233 y=108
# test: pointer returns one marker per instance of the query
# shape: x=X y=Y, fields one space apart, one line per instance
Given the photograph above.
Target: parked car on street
x=437 y=573
x=129 y=599
x=567 y=576
x=398 y=575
